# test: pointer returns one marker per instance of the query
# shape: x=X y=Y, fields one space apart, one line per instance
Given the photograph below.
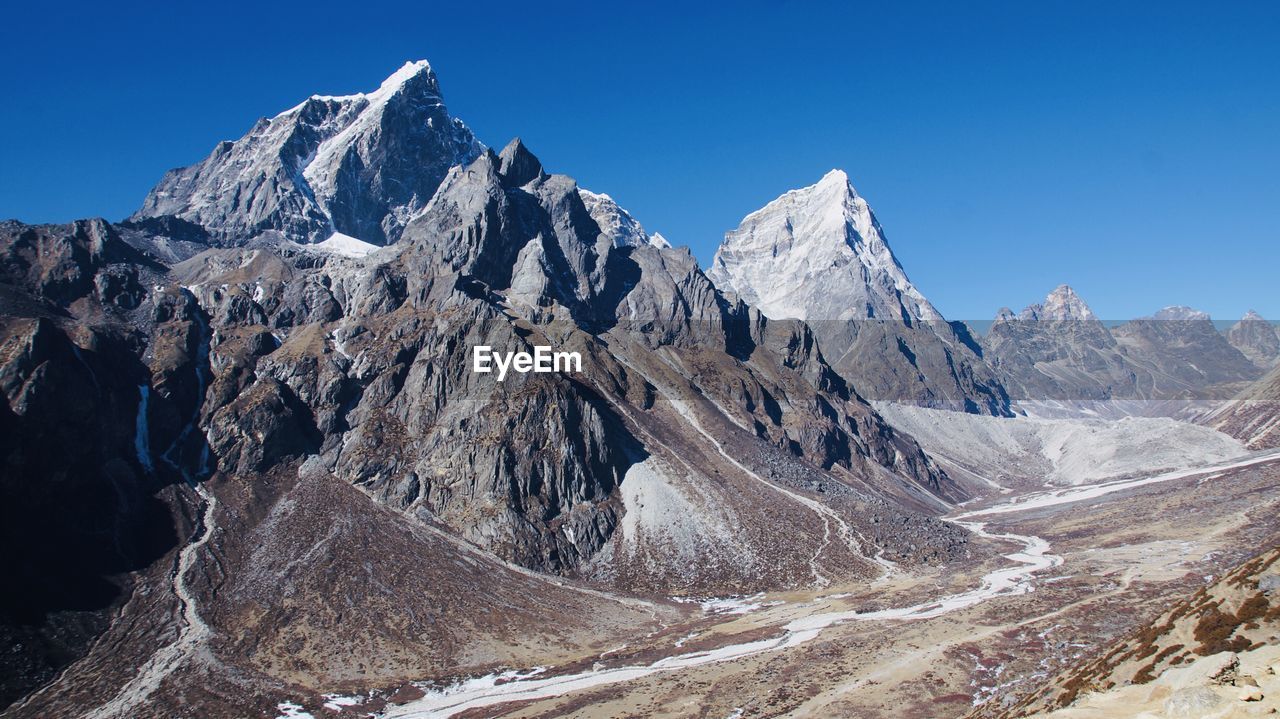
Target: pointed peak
x=835 y=176
x=415 y=79
x=1064 y=304
x=1004 y=314
x=1252 y=316
x=657 y=240
x=837 y=183
x=416 y=75
x=407 y=72
x=517 y=165
x=832 y=196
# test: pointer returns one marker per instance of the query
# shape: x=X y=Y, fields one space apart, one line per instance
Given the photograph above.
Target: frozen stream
x=1032 y=556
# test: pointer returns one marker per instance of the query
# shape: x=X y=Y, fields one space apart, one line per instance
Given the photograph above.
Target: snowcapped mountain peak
x=818 y=253
x=1252 y=316
x=416 y=76
x=617 y=224
x=836 y=177
x=408 y=71
x=359 y=165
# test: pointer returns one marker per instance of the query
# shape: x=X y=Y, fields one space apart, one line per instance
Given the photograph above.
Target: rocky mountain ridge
x=1257 y=339
x=1059 y=351
x=244 y=370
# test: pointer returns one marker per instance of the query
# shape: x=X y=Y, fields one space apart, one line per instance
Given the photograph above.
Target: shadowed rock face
x=361 y=165
x=81 y=513
x=818 y=254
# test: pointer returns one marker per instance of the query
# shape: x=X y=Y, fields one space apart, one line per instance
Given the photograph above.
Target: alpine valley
x=248 y=470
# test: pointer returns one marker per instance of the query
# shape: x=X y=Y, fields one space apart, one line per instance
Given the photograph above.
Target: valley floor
x=1083 y=564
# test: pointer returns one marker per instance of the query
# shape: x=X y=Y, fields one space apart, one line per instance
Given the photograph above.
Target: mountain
x=361 y=165
x=1058 y=350
x=1184 y=355
x=1253 y=416
x=1257 y=339
x=1206 y=652
x=818 y=254
x=254 y=461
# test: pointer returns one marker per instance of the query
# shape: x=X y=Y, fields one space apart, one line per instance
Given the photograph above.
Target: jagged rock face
x=362 y=165
x=818 y=254
x=1058 y=350
x=252 y=358
x=1184 y=352
x=64 y=263
x=80 y=509
x=509 y=257
x=1257 y=339
x=618 y=224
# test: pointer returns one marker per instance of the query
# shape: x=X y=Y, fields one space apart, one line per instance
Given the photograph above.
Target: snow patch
x=344 y=245
x=336 y=702
x=289 y=710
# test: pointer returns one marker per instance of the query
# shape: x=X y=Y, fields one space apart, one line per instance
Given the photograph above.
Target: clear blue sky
x=1130 y=149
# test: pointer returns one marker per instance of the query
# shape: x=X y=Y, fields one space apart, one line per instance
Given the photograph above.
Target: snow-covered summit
x=360 y=165
x=412 y=70
x=616 y=223
x=818 y=253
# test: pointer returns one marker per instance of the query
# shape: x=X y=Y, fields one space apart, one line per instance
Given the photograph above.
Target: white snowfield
x=343 y=245
x=1032 y=557
x=1060 y=451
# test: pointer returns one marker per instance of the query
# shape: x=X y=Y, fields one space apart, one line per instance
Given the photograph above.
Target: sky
x=1128 y=149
